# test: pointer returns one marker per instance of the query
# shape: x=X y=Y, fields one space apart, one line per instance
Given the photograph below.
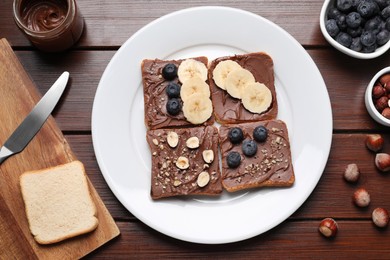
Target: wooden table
x=110 y=23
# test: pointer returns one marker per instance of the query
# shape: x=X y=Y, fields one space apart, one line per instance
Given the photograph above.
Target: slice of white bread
x=58 y=203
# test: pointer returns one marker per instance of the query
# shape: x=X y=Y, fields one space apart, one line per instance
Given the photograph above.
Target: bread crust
x=155 y=98
x=58 y=203
x=270 y=167
x=229 y=110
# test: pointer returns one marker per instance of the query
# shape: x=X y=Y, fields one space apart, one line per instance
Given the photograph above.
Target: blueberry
x=369 y=49
x=169 y=71
x=381 y=3
x=355 y=3
x=249 y=148
x=356 y=45
x=260 y=133
x=173 y=90
x=367 y=8
x=332 y=28
x=233 y=159
x=387 y=26
x=368 y=38
x=333 y=13
x=382 y=37
x=353 y=20
x=344 y=39
x=173 y=106
x=235 y=135
x=355 y=32
x=373 y=24
x=342 y=22
x=386 y=12
x=344 y=5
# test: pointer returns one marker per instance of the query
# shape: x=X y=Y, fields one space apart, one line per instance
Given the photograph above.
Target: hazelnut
x=328 y=227
x=378 y=91
x=203 y=179
x=182 y=163
x=382 y=162
x=380 y=217
x=386 y=112
x=351 y=173
x=384 y=78
x=192 y=142
x=374 y=142
x=387 y=87
x=208 y=156
x=381 y=103
x=361 y=198
x=172 y=139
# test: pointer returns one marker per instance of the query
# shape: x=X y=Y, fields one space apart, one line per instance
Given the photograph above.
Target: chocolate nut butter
x=51 y=25
x=178 y=167
x=229 y=110
x=155 y=97
x=270 y=166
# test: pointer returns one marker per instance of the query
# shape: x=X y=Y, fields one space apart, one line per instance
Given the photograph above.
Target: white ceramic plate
x=118 y=128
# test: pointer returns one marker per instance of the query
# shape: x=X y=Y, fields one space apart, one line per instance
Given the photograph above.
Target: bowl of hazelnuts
x=377 y=97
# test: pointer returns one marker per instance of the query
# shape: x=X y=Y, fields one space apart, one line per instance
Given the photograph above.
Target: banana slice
x=191 y=68
x=222 y=70
x=237 y=80
x=197 y=108
x=193 y=86
x=256 y=97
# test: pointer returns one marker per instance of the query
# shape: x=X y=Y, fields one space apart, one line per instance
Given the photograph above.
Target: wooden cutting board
x=18 y=95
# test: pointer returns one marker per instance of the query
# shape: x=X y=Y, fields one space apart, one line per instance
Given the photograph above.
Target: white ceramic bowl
x=370 y=104
x=323 y=16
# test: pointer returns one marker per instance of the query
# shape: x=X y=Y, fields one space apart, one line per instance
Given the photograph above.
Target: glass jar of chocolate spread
x=51 y=25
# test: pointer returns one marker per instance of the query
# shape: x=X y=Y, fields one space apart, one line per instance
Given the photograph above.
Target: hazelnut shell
x=382 y=162
x=386 y=112
x=374 y=142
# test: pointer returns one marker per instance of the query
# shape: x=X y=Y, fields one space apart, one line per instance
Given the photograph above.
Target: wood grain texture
x=109 y=24
x=290 y=240
x=18 y=96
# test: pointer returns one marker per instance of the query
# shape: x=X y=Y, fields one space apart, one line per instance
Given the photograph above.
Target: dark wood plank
x=346 y=79
x=111 y=23
x=74 y=110
x=296 y=240
x=332 y=197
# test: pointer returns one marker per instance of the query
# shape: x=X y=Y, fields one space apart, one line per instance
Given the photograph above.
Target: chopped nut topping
x=155 y=141
x=176 y=183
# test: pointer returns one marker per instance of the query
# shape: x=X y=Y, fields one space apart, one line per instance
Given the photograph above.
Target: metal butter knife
x=34 y=121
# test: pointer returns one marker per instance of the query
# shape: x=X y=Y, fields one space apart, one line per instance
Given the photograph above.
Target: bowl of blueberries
x=358 y=28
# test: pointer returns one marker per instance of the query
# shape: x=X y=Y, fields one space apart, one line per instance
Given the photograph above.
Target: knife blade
x=30 y=126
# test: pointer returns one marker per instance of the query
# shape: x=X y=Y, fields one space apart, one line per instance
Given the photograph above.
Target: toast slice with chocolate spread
x=256 y=154
x=176 y=93
x=243 y=88
x=185 y=161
